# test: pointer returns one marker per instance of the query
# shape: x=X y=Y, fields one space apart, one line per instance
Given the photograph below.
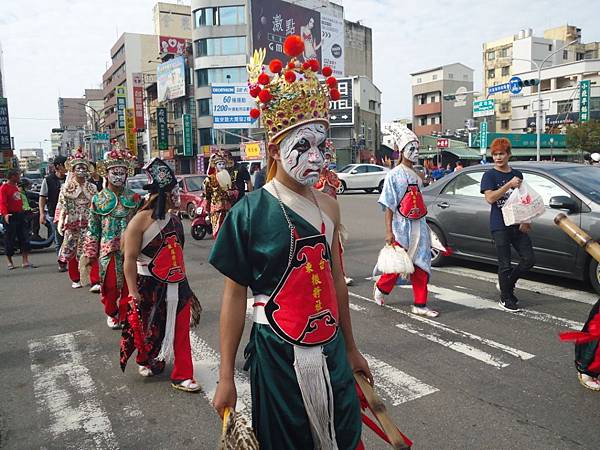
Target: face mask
x=302 y=153
x=81 y=171
x=220 y=166
x=117 y=176
x=411 y=152
x=176 y=197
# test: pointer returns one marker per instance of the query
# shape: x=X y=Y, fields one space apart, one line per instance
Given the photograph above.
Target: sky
x=59 y=48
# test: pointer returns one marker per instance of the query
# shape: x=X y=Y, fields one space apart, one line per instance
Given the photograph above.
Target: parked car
x=192 y=193
x=368 y=177
x=459 y=216
x=136 y=183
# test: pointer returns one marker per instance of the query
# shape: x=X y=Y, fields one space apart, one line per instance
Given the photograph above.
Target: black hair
x=59 y=161
x=12 y=173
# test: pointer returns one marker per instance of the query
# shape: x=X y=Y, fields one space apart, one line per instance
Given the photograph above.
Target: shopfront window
x=235 y=45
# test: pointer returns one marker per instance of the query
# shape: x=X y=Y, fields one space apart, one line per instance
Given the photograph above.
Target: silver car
x=367 y=177
x=459 y=215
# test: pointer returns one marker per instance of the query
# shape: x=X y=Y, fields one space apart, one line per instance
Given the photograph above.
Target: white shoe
x=145 y=371
x=589 y=382
x=76 y=284
x=112 y=323
x=348 y=281
x=424 y=311
x=378 y=296
x=95 y=289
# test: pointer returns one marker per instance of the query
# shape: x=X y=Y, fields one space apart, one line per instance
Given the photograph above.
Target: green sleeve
x=230 y=254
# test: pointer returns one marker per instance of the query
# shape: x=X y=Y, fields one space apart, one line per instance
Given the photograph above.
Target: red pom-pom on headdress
x=265 y=96
x=254 y=90
x=334 y=94
x=314 y=65
x=290 y=76
x=293 y=45
x=331 y=82
x=275 y=66
x=255 y=113
x=264 y=79
x=327 y=71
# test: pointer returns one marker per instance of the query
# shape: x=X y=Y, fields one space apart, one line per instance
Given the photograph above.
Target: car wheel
x=198 y=232
x=191 y=210
x=437 y=257
x=369 y=191
x=595 y=275
x=380 y=187
x=341 y=189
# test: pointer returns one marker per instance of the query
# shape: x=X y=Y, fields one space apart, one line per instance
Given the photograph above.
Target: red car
x=192 y=193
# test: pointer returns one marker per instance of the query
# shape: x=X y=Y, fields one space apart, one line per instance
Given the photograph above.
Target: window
x=503 y=53
x=372 y=105
x=491 y=56
x=205 y=136
x=549 y=47
x=595 y=104
x=450 y=76
x=504 y=107
x=119 y=53
x=583 y=178
x=204 y=77
x=432 y=99
x=195 y=183
x=505 y=71
x=221 y=46
x=465 y=77
x=225 y=15
x=579 y=56
x=434 y=77
x=205 y=17
x=360 y=169
x=421 y=99
x=374 y=169
x=419 y=80
x=564 y=106
x=504 y=124
x=432 y=120
x=466 y=184
x=204 y=107
x=491 y=73
x=544 y=186
x=422 y=121
x=565 y=54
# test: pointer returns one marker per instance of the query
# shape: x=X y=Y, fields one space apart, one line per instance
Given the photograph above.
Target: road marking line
x=395 y=385
x=528 y=285
x=65 y=393
x=357 y=308
x=206 y=372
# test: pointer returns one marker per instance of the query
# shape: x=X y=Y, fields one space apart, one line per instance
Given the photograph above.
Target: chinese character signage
x=274 y=20
x=169 y=45
x=138 y=99
x=584 y=101
x=252 y=150
x=231 y=104
x=341 y=112
x=121 y=94
x=186 y=120
x=163 y=128
x=5 y=143
x=170 y=78
x=130 y=131
x=442 y=143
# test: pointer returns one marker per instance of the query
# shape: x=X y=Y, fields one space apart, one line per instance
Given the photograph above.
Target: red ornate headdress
x=117 y=157
x=75 y=158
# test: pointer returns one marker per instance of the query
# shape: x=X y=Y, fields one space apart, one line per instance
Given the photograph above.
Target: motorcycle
x=201 y=224
x=37 y=242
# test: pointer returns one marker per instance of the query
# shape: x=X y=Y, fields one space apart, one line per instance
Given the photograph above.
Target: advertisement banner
x=231 y=104
x=186 y=123
x=332 y=30
x=200 y=164
x=162 y=128
x=341 y=112
x=170 y=77
x=274 y=20
x=584 y=100
x=168 y=45
x=121 y=94
x=5 y=142
x=138 y=99
x=252 y=150
x=130 y=132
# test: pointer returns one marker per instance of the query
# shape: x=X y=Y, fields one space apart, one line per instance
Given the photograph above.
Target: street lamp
x=538 y=119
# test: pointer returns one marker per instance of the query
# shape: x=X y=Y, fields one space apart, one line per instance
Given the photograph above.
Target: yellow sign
x=130 y=131
x=253 y=151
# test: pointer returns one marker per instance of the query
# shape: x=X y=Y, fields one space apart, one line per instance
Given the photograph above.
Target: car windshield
x=346 y=169
x=585 y=179
x=194 y=183
x=137 y=183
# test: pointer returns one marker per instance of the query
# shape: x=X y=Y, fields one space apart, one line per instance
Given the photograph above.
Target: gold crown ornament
x=75 y=158
x=292 y=95
x=117 y=157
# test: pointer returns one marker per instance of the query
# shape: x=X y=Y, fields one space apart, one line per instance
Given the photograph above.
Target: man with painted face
x=72 y=216
x=281 y=241
x=406 y=225
x=219 y=189
x=112 y=208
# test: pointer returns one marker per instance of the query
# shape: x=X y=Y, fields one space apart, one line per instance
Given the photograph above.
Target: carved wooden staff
x=583 y=239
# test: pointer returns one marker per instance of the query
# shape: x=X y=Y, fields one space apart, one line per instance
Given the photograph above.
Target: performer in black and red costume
x=161 y=302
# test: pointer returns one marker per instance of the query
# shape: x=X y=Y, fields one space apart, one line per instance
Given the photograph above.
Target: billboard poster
x=186 y=123
x=274 y=20
x=5 y=142
x=130 y=132
x=121 y=94
x=341 y=112
x=231 y=104
x=170 y=77
x=162 y=128
x=138 y=99
x=168 y=45
x=332 y=32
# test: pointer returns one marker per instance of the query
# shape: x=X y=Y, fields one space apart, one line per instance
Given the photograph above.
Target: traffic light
x=531 y=82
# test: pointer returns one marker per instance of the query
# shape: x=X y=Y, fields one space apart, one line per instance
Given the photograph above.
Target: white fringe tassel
x=313 y=379
x=166 y=349
x=393 y=259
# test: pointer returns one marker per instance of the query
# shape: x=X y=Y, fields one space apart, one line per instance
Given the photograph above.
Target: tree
x=584 y=137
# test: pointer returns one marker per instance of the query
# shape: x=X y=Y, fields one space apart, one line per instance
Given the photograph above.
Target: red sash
x=167 y=265
x=412 y=206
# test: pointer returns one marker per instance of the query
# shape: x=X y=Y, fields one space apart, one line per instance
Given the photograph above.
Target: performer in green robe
x=277 y=241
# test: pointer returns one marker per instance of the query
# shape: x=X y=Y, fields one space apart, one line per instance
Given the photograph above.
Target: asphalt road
x=477 y=377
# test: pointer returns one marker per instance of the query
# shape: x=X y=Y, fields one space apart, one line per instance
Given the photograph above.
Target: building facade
x=2 y=90
x=71 y=112
x=433 y=115
x=172 y=19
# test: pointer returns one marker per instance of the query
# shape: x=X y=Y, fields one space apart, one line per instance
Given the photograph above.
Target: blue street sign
x=498 y=88
x=516 y=85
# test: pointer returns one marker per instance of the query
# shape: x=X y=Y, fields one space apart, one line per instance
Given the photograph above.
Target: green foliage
x=584 y=137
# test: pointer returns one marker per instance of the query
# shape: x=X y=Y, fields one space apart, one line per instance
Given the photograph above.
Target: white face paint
x=221 y=165
x=176 y=197
x=302 y=153
x=117 y=176
x=411 y=152
x=81 y=171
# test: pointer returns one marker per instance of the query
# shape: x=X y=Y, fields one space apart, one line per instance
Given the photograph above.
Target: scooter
x=201 y=224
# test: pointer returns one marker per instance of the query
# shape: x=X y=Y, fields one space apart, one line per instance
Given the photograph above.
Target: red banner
x=171 y=45
x=138 y=100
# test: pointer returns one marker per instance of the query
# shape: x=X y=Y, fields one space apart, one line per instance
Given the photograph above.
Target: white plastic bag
x=522 y=206
x=394 y=259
